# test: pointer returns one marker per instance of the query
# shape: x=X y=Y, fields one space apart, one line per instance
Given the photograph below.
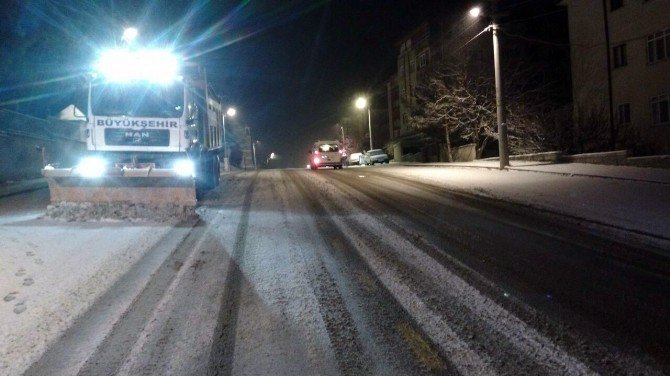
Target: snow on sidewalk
x=632 y=198
x=51 y=272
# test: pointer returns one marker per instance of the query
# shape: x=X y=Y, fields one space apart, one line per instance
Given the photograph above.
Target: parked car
x=373 y=156
x=354 y=159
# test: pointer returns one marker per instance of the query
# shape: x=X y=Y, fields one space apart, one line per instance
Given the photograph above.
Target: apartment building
x=422 y=49
x=413 y=59
x=620 y=52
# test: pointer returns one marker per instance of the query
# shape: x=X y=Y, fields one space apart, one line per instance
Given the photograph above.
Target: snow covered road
x=358 y=271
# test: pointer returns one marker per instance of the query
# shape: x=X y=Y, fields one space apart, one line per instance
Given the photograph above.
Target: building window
x=660 y=109
x=620 y=59
x=658 y=46
x=624 y=113
x=423 y=60
x=615 y=4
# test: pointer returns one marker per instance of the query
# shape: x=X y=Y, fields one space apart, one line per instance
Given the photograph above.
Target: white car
x=354 y=159
x=326 y=154
x=373 y=156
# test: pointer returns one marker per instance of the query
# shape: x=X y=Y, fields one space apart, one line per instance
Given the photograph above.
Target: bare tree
x=462 y=103
x=461 y=99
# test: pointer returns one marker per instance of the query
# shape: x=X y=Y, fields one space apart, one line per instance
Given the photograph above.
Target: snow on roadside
x=635 y=205
x=52 y=271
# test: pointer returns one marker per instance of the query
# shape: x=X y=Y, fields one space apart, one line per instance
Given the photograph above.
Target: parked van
x=326 y=154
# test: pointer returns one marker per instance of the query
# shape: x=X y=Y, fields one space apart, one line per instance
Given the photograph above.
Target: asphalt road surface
x=357 y=271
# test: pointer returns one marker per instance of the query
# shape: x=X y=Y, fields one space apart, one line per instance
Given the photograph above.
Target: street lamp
x=362 y=103
x=253 y=146
x=502 y=127
x=231 y=112
x=129 y=34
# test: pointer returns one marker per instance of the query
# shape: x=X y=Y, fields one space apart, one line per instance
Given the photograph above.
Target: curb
x=529 y=168
x=12 y=188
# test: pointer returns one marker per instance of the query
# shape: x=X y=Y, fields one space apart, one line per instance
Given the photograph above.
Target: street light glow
x=361 y=103
x=231 y=111
x=475 y=12
x=129 y=34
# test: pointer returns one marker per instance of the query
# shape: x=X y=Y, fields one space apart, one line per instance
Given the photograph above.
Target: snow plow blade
x=120 y=193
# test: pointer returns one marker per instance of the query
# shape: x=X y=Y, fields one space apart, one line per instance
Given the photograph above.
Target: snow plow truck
x=154 y=133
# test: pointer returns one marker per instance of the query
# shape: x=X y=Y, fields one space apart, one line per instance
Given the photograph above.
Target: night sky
x=292 y=68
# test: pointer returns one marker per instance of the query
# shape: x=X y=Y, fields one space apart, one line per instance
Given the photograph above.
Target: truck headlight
x=91 y=167
x=184 y=168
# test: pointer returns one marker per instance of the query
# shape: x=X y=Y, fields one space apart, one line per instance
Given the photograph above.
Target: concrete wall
x=29 y=143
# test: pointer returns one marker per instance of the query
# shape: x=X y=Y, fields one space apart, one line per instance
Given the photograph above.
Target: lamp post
x=230 y=112
x=500 y=116
x=253 y=147
x=342 y=129
x=362 y=103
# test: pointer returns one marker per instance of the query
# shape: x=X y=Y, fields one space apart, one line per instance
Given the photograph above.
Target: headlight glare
x=91 y=167
x=184 y=168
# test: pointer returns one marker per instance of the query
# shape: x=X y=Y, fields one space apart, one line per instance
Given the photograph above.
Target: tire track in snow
x=223 y=346
x=339 y=323
x=428 y=204
x=145 y=354
x=518 y=333
x=96 y=329
x=462 y=357
x=386 y=321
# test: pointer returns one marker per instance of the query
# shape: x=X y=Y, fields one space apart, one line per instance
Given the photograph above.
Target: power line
x=534 y=17
x=536 y=40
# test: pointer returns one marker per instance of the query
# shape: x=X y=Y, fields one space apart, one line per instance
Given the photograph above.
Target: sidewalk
x=630 y=203
x=644 y=174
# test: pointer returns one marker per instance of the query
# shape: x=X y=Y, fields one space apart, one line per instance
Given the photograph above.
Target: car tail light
x=317 y=160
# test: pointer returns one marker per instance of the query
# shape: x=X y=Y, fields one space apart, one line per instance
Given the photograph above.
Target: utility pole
x=253 y=147
x=226 y=161
x=370 y=128
x=502 y=127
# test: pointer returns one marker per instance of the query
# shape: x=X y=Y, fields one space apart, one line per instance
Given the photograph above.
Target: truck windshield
x=138 y=100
